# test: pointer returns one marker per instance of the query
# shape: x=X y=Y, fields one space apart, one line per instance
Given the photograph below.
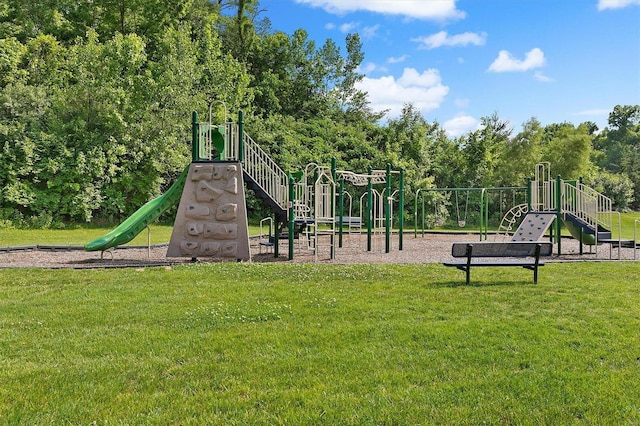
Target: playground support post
x=559 y=213
x=292 y=215
x=340 y=209
x=484 y=214
x=333 y=212
x=529 y=195
x=401 y=209
x=195 y=143
x=387 y=211
x=276 y=238
x=369 y=208
x=240 y=136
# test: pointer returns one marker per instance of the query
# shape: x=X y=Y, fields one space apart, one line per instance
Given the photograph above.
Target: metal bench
x=496 y=250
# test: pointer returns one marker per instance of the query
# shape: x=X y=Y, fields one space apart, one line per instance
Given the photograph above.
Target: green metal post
x=423 y=217
x=341 y=210
x=195 y=144
x=559 y=213
x=415 y=215
x=401 y=210
x=369 y=209
x=486 y=218
x=481 y=210
x=292 y=216
x=529 y=195
x=240 y=136
x=387 y=211
x=276 y=238
x=581 y=239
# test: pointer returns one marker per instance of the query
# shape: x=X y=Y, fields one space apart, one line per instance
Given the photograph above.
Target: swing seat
x=462 y=223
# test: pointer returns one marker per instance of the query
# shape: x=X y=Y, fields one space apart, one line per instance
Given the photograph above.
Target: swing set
x=482 y=198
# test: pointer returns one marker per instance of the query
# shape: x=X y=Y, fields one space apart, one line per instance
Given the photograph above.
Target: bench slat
x=502 y=249
x=494 y=264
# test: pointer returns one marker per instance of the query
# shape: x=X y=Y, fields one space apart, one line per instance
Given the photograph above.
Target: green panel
x=217 y=138
x=139 y=220
x=587 y=238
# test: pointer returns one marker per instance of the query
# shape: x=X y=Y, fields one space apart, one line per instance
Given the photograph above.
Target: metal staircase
x=587 y=213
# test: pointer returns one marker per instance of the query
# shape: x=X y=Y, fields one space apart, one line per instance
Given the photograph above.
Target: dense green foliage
x=264 y=344
x=96 y=97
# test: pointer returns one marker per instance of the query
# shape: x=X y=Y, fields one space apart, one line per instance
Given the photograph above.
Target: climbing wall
x=533 y=226
x=211 y=220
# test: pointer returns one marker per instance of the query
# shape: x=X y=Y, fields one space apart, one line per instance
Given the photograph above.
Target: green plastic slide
x=138 y=221
x=574 y=226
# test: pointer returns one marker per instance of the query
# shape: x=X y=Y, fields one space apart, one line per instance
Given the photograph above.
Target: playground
x=322 y=214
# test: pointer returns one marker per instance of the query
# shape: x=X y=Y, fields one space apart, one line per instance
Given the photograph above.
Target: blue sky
x=459 y=60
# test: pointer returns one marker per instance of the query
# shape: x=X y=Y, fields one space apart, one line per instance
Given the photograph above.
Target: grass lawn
x=78 y=235
x=628 y=225
x=321 y=344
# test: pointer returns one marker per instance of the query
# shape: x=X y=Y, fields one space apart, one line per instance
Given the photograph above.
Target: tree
x=568 y=150
x=616 y=186
x=481 y=151
x=519 y=155
x=238 y=31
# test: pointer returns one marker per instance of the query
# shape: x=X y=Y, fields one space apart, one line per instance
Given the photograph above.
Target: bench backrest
x=502 y=249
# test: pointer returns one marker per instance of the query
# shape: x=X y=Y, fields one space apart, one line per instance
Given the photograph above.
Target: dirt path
x=432 y=248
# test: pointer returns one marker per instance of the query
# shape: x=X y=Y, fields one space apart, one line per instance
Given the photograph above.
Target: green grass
x=627 y=223
x=321 y=344
x=80 y=235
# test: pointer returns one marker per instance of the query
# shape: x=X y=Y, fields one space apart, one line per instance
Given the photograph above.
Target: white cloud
x=396 y=60
x=444 y=39
x=461 y=103
x=424 y=90
x=330 y=26
x=348 y=26
x=370 y=67
x=367 y=68
x=505 y=62
x=460 y=124
x=418 y=9
x=593 y=113
x=616 y=4
x=369 y=32
x=542 y=77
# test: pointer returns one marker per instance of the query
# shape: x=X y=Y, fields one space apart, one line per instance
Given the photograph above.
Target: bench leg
x=469 y=250
x=535 y=268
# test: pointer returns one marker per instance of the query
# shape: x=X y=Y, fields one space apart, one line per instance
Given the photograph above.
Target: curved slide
x=588 y=237
x=575 y=225
x=139 y=220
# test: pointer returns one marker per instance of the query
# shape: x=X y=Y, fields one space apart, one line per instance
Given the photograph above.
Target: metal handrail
x=587 y=204
x=265 y=172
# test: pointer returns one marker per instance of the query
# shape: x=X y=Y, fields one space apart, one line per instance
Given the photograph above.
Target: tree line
x=96 y=98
